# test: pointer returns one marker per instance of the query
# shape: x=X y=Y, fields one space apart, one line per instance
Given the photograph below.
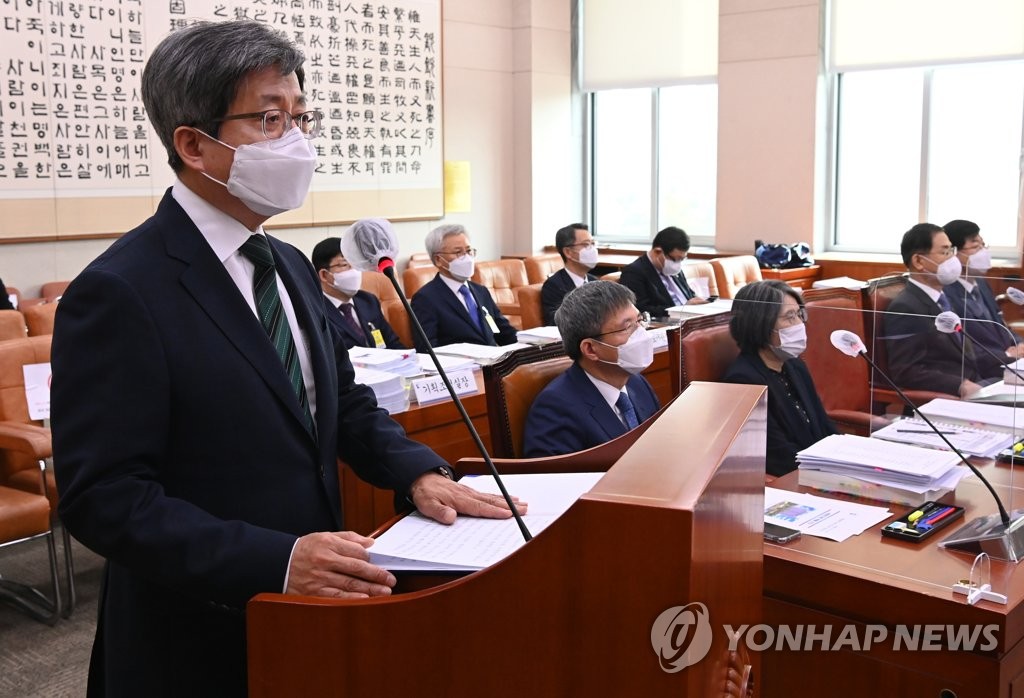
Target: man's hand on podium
x=336 y=564
x=441 y=499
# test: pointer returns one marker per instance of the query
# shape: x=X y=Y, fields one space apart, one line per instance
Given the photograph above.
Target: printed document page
x=817 y=516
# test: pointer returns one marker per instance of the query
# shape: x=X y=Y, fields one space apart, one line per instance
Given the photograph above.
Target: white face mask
x=792 y=342
x=271 y=177
x=636 y=354
x=588 y=257
x=348 y=281
x=948 y=271
x=461 y=268
x=980 y=261
x=671 y=267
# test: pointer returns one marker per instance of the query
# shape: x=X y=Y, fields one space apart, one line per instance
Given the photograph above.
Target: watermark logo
x=681 y=636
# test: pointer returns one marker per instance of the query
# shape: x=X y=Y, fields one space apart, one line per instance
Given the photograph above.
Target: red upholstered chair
x=390 y=304
x=415 y=278
x=732 y=273
x=419 y=259
x=699 y=269
x=843 y=383
x=540 y=266
x=25 y=517
x=12 y=325
x=878 y=294
x=53 y=290
x=530 y=309
x=503 y=278
x=706 y=348
x=39 y=318
x=611 y=276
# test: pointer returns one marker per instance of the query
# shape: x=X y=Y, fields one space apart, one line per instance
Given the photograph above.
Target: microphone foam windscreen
x=367 y=241
x=947 y=322
x=1015 y=295
x=847 y=342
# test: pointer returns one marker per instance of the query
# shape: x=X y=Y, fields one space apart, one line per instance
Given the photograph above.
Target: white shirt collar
x=933 y=293
x=452 y=283
x=969 y=285
x=223 y=233
x=608 y=391
x=336 y=302
x=577 y=280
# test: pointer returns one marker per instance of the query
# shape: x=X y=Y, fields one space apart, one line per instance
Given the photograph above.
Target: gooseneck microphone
x=948 y=322
x=370 y=244
x=852 y=345
x=1015 y=295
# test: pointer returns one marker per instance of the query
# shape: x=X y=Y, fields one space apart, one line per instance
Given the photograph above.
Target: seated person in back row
x=451 y=308
x=657 y=276
x=602 y=395
x=357 y=314
x=5 y=301
x=579 y=254
x=972 y=299
x=920 y=356
x=768 y=325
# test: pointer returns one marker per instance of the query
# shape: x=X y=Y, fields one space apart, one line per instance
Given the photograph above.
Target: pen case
x=923 y=521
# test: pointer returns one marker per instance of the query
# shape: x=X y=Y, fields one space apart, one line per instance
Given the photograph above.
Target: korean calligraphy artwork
x=78 y=157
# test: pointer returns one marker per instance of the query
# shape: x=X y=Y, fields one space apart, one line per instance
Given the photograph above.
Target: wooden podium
x=676 y=519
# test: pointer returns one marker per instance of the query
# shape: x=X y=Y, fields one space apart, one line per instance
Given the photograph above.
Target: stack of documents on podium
x=450 y=364
x=971 y=440
x=817 y=516
x=840 y=282
x=879 y=469
x=966 y=413
x=400 y=361
x=539 y=335
x=388 y=388
x=418 y=543
x=480 y=353
x=685 y=312
x=1011 y=377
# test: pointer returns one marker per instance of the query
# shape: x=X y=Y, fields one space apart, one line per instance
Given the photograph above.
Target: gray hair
x=435 y=238
x=585 y=309
x=193 y=75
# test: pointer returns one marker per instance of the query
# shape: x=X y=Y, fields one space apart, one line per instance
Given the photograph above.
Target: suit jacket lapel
x=654 y=280
x=455 y=305
x=602 y=414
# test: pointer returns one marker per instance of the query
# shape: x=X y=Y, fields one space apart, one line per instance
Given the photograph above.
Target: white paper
x=850 y=454
x=418 y=543
x=432 y=389
x=817 y=516
x=448 y=363
x=970 y=440
x=479 y=352
x=699 y=286
x=722 y=305
x=965 y=412
x=548 y=333
x=37 y=390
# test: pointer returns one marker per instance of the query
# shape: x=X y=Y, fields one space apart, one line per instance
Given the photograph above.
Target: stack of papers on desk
x=418 y=543
x=448 y=363
x=480 y=353
x=388 y=388
x=997 y=417
x=972 y=441
x=399 y=361
x=818 y=516
x=682 y=312
x=879 y=469
x=840 y=282
x=539 y=335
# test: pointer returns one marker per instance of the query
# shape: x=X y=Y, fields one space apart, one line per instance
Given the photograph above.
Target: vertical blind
x=647 y=43
x=897 y=33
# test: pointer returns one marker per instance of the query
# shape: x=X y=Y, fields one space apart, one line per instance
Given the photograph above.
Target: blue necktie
x=471 y=306
x=944 y=303
x=625 y=406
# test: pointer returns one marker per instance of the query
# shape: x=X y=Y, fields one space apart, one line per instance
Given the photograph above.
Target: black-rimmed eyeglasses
x=277 y=122
x=642 y=320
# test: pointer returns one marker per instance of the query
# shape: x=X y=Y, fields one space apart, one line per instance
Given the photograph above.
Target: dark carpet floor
x=35 y=659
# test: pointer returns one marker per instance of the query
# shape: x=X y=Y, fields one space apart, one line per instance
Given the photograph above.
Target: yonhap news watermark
x=682 y=635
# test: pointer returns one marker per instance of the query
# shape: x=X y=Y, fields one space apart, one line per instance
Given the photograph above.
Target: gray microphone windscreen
x=1015 y=295
x=847 y=342
x=367 y=242
x=947 y=322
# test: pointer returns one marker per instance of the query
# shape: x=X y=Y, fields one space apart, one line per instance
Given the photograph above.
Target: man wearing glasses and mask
x=972 y=299
x=578 y=250
x=602 y=395
x=451 y=308
x=201 y=398
x=920 y=356
x=657 y=277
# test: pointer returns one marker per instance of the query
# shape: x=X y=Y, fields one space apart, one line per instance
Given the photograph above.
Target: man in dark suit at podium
x=579 y=254
x=359 y=317
x=602 y=395
x=201 y=398
x=451 y=308
x=657 y=276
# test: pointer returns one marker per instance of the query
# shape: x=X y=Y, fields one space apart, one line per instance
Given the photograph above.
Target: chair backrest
x=12 y=325
x=14 y=354
x=732 y=273
x=877 y=296
x=530 y=309
x=843 y=382
x=390 y=304
x=500 y=277
x=52 y=290
x=419 y=259
x=39 y=318
x=611 y=276
x=540 y=266
x=415 y=278
x=706 y=348
x=511 y=386
x=701 y=269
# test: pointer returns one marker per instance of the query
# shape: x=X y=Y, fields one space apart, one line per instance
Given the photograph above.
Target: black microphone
x=852 y=345
x=371 y=244
x=948 y=322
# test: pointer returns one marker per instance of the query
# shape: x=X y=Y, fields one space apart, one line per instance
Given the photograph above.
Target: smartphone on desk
x=711 y=299
x=779 y=534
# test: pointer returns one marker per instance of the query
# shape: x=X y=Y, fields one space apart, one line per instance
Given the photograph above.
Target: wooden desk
x=880 y=581
x=803 y=277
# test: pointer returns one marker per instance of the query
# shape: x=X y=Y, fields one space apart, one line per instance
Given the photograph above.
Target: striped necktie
x=625 y=406
x=268 y=303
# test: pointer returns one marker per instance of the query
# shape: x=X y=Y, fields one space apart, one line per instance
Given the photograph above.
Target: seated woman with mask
x=768 y=325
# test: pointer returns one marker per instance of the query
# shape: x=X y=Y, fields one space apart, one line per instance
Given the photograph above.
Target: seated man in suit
x=451 y=308
x=972 y=299
x=357 y=315
x=920 y=356
x=579 y=254
x=602 y=395
x=657 y=277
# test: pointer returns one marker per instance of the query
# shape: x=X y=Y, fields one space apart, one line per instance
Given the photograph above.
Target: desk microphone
x=1015 y=295
x=370 y=244
x=852 y=345
x=948 y=322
